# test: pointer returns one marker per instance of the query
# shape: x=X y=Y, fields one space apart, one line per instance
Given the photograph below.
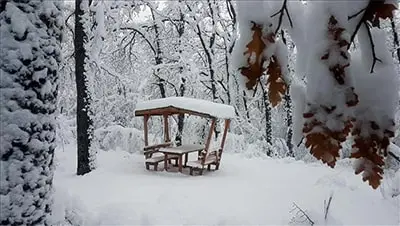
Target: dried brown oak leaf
x=323 y=148
x=371 y=151
x=276 y=84
x=255 y=60
x=378 y=9
x=326 y=144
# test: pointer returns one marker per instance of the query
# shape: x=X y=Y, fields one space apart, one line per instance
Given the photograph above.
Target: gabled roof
x=182 y=105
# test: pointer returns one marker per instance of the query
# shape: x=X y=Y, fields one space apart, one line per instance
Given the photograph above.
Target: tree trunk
x=29 y=62
x=289 y=123
x=84 y=124
x=181 y=117
x=396 y=41
x=182 y=87
x=268 y=118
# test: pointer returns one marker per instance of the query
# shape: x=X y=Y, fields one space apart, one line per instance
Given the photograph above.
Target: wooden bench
x=151 y=160
x=206 y=159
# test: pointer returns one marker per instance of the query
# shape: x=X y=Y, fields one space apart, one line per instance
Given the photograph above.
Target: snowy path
x=242 y=192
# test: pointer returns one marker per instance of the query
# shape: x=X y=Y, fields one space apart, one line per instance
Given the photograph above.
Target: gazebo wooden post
x=146 y=130
x=166 y=128
x=166 y=139
x=208 y=142
x=227 y=124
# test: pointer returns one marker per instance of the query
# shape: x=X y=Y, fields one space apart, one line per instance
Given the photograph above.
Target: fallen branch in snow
x=281 y=12
x=327 y=205
x=300 y=217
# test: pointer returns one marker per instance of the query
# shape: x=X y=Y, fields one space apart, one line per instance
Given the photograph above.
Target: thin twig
x=304 y=214
x=394 y=156
x=327 y=205
x=281 y=12
x=375 y=58
x=353 y=36
x=301 y=141
x=355 y=15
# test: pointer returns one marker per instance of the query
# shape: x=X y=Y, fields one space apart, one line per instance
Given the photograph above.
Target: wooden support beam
x=146 y=130
x=227 y=124
x=208 y=142
x=166 y=128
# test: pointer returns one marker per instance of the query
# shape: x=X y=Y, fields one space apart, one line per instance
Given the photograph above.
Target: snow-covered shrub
x=118 y=137
x=69 y=210
x=66 y=130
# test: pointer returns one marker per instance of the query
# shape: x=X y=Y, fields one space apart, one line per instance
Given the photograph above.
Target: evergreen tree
x=29 y=60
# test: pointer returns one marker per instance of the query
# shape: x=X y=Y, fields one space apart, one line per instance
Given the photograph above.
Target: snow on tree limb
x=337 y=101
x=262 y=56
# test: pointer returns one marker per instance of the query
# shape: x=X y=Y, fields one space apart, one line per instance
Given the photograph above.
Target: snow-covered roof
x=191 y=105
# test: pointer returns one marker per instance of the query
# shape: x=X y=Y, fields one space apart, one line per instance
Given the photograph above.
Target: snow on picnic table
x=197 y=105
x=243 y=192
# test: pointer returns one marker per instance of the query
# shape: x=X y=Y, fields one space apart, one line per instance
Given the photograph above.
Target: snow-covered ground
x=258 y=191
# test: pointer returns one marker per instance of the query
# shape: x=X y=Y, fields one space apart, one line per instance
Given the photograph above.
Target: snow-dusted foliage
x=29 y=59
x=337 y=99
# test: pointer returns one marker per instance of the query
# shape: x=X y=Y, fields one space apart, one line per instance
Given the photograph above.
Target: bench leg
x=166 y=162
x=191 y=171
x=180 y=163
x=201 y=171
x=209 y=167
x=155 y=166
x=217 y=166
x=147 y=166
x=186 y=158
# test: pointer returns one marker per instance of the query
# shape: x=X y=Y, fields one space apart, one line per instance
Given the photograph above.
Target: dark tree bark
x=29 y=62
x=182 y=87
x=181 y=117
x=289 y=123
x=84 y=122
x=288 y=110
x=268 y=118
x=396 y=41
x=158 y=56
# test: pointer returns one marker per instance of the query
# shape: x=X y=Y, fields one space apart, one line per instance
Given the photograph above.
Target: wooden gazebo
x=169 y=106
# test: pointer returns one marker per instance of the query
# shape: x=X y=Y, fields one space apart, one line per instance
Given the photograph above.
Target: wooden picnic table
x=180 y=151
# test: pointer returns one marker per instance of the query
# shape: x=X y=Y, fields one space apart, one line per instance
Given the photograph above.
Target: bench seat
x=197 y=163
x=160 y=158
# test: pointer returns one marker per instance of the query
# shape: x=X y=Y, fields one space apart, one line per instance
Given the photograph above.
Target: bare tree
x=84 y=123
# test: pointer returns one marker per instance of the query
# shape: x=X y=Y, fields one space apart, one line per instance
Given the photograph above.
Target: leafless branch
x=221 y=82
x=356 y=14
x=68 y=26
x=301 y=141
x=281 y=12
x=374 y=57
x=327 y=205
x=143 y=36
x=301 y=214
x=208 y=87
x=394 y=156
x=168 y=82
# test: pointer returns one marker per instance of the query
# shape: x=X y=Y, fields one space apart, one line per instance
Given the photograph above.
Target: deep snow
x=258 y=191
